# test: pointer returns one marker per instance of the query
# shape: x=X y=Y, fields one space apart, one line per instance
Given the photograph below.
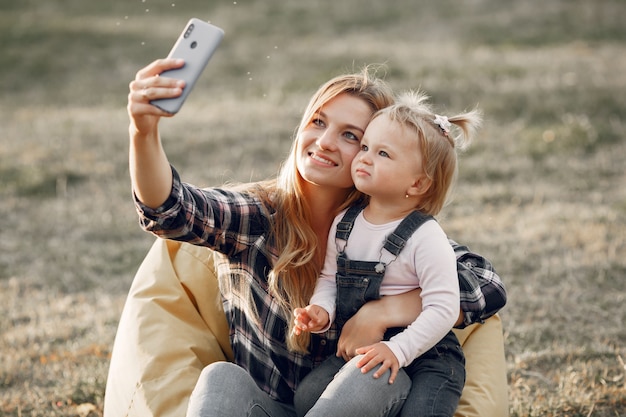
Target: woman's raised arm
x=150 y=170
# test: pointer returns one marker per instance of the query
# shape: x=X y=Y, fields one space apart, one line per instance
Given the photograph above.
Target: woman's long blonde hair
x=295 y=271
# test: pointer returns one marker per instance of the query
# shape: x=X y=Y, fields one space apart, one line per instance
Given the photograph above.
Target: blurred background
x=542 y=193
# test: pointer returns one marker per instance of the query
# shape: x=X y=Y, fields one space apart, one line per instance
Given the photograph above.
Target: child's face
x=389 y=162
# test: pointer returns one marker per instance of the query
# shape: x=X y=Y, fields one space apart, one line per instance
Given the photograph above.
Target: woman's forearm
x=372 y=320
x=150 y=171
x=395 y=311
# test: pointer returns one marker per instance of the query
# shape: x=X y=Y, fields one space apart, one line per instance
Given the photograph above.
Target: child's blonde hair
x=436 y=142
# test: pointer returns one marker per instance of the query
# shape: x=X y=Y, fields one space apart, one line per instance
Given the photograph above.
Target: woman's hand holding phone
x=161 y=88
x=148 y=85
x=195 y=46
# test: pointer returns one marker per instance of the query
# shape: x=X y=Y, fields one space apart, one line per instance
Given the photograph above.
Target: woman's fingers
x=147 y=94
x=156 y=82
x=149 y=85
x=154 y=88
x=156 y=68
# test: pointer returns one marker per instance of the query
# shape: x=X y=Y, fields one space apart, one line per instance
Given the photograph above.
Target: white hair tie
x=443 y=123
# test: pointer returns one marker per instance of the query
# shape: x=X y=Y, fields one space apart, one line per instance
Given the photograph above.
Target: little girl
x=406 y=165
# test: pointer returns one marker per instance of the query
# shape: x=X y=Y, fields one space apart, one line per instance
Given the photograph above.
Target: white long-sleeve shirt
x=427 y=262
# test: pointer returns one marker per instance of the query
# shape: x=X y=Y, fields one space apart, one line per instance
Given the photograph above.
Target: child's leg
x=438 y=377
x=352 y=393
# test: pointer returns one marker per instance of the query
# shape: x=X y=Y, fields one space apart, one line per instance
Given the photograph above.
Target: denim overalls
x=359 y=281
x=437 y=376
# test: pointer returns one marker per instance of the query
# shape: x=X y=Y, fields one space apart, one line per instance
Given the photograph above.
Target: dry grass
x=541 y=194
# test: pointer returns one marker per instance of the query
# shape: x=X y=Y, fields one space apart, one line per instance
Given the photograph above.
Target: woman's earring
x=406 y=196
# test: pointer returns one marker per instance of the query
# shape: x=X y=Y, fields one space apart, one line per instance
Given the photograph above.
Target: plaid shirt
x=238 y=226
x=482 y=291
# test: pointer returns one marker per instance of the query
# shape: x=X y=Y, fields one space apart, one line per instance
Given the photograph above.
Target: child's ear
x=420 y=186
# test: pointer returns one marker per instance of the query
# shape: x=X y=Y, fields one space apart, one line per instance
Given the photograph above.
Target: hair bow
x=443 y=123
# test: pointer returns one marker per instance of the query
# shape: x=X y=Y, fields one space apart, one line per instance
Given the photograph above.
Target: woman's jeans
x=227 y=390
x=438 y=377
x=339 y=388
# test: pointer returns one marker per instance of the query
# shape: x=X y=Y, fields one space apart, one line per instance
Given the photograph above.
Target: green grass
x=541 y=193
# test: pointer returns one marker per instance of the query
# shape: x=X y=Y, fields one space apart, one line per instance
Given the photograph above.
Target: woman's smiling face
x=330 y=141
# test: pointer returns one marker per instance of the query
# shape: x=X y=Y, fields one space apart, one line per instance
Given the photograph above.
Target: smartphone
x=195 y=45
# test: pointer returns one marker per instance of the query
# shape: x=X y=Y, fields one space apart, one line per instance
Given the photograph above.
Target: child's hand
x=312 y=318
x=378 y=353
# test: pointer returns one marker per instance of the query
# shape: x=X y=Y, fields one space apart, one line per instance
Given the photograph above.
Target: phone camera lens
x=189 y=30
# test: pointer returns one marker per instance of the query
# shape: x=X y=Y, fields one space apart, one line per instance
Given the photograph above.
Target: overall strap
x=344 y=227
x=396 y=241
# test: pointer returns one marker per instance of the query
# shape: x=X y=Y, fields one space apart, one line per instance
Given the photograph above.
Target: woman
x=273 y=243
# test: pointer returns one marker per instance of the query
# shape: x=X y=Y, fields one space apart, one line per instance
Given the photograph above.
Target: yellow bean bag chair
x=173 y=325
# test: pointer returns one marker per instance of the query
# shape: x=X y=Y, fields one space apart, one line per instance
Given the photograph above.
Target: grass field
x=542 y=193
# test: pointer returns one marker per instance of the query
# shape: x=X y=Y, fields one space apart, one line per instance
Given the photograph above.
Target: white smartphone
x=195 y=45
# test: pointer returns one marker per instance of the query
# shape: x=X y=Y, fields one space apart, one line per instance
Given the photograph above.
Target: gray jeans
x=349 y=392
x=226 y=390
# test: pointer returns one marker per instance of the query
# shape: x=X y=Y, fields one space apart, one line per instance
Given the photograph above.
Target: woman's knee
x=220 y=380
x=224 y=388
x=354 y=393
x=220 y=373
